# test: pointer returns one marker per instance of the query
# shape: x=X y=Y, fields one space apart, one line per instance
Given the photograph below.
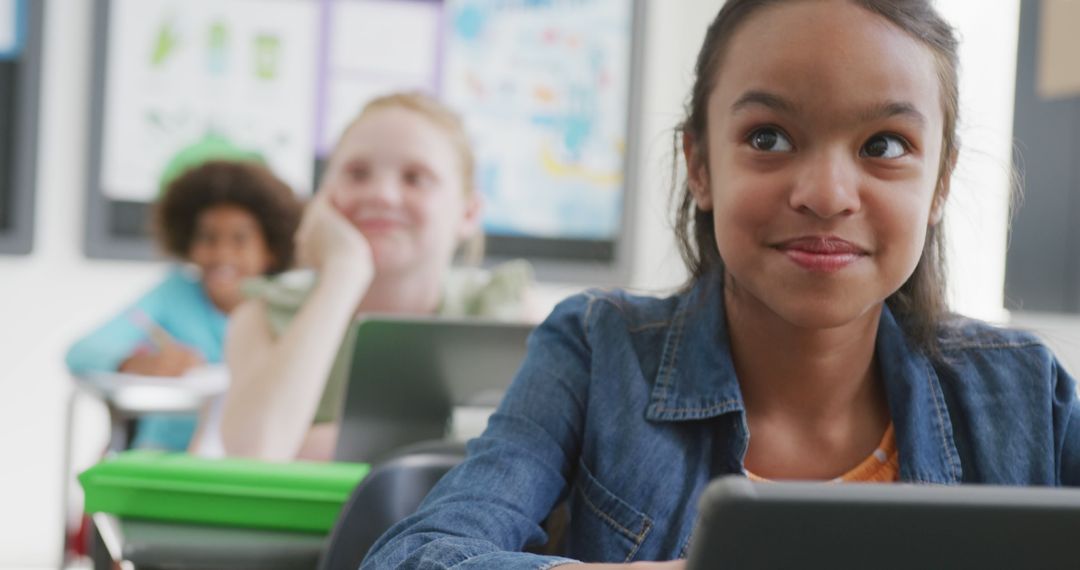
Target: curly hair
x=243 y=184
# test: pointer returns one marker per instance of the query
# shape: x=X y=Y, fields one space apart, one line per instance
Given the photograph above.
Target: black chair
x=392 y=491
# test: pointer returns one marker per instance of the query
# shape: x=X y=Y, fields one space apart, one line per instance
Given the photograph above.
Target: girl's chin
x=220 y=290
x=389 y=257
x=225 y=293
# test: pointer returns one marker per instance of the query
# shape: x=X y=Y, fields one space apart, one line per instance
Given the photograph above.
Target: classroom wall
x=48 y=298
x=51 y=296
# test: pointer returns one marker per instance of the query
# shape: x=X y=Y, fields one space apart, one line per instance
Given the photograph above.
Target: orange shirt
x=882 y=466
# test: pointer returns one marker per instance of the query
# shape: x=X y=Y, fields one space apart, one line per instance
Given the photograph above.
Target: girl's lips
x=376 y=225
x=821 y=262
x=824 y=254
x=222 y=273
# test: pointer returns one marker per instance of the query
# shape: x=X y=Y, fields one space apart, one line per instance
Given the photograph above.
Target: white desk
x=129 y=396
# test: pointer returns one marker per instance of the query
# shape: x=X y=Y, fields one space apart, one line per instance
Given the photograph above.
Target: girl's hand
x=326 y=239
x=170 y=359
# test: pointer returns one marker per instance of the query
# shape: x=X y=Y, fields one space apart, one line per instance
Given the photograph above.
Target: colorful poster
x=181 y=70
x=553 y=77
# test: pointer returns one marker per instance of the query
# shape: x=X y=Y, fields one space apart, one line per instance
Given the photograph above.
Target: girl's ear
x=941 y=194
x=697 y=174
x=272 y=261
x=470 y=224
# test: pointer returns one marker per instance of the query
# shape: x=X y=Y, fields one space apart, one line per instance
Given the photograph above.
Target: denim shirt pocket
x=607 y=527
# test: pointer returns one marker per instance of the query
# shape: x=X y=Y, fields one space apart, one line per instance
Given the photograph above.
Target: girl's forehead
x=828 y=55
x=226 y=215
x=398 y=123
x=395 y=131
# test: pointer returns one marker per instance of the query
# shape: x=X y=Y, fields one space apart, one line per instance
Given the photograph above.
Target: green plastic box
x=299 y=496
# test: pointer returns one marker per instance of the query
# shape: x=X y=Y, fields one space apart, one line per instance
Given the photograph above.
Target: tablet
x=745 y=525
x=409 y=374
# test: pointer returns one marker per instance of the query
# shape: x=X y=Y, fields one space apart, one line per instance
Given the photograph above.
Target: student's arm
x=490 y=507
x=124 y=343
x=276 y=383
x=167 y=358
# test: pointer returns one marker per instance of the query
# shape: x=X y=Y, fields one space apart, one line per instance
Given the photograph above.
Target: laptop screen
x=751 y=526
x=408 y=375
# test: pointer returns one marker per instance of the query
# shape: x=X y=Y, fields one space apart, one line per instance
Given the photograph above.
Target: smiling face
x=824 y=140
x=399 y=179
x=228 y=246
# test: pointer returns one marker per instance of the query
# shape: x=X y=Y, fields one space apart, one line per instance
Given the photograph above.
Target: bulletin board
x=20 y=72
x=283 y=78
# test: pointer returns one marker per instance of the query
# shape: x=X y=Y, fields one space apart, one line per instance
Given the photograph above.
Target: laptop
x=745 y=525
x=410 y=376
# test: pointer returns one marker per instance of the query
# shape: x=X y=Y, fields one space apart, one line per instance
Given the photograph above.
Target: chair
x=392 y=491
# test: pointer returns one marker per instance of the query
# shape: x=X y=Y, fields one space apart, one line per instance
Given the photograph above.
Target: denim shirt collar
x=696 y=380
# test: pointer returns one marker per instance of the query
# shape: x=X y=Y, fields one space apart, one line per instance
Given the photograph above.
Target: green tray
x=303 y=496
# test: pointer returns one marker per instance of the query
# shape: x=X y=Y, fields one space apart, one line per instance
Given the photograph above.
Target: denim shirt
x=626 y=407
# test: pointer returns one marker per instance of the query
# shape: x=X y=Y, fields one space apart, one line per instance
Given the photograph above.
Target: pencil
x=158 y=336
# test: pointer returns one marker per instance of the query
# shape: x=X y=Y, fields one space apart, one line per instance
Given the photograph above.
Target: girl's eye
x=413 y=177
x=204 y=237
x=241 y=239
x=770 y=140
x=884 y=146
x=358 y=173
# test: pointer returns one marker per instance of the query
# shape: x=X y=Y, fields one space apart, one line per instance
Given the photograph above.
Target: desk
x=131 y=543
x=128 y=396
x=150 y=545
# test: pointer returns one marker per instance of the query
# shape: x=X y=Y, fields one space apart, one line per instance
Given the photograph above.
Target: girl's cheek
x=340 y=201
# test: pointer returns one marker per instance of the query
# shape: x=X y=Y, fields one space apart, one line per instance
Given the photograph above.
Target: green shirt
x=498 y=293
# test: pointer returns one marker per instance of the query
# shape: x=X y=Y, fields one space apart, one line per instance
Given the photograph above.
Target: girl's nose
x=363 y=195
x=384 y=188
x=379 y=188
x=827 y=186
x=224 y=250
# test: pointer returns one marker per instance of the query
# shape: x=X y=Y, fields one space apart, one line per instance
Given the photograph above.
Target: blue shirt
x=626 y=407
x=180 y=306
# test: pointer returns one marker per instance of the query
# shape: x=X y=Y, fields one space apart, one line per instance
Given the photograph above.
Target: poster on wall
x=553 y=77
x=181 y=71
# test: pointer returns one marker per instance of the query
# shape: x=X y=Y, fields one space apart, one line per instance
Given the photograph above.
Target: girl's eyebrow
x=890 y=109
x=876 y=112
x=422 y=166
x=763 y=98
x=355 y=162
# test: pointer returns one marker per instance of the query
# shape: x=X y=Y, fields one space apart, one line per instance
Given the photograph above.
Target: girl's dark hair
x=920 y=303
x=246 y=185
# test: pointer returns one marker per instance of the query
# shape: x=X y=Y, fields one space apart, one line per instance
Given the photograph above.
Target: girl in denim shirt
x=819 y=143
